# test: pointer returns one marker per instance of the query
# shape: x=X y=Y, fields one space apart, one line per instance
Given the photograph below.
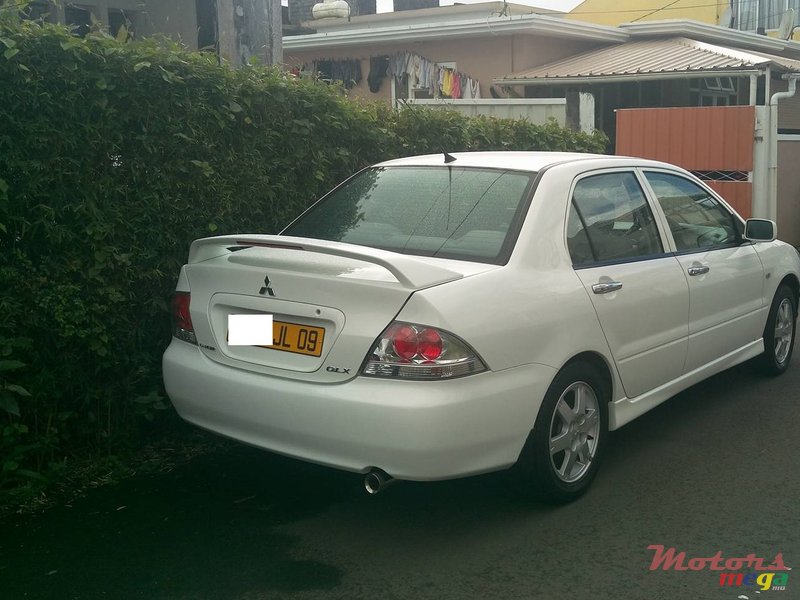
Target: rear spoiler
x=411 y=272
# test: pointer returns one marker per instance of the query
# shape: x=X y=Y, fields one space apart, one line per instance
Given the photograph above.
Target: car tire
x=563 y=451
x=779 y=333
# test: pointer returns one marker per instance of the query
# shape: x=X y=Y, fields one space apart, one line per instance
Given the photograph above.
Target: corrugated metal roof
x=651 y=58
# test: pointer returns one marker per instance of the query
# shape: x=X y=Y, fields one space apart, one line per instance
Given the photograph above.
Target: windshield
x=448 y=212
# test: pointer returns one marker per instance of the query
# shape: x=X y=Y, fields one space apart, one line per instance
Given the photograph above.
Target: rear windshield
x=447 y=212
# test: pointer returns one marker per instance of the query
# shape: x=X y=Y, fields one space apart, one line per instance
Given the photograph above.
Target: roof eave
x=621 y=78
x=704 y=31
x=407 y=17
x=517 y=24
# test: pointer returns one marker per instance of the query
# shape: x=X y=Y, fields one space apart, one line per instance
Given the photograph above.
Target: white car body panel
x=727 y=305
x=645 y=321
x=367 y=288
x=409 y=271
x=778 y=265
x=418 y=430
x=536 y=326
x=525 y=319
x=624 y=410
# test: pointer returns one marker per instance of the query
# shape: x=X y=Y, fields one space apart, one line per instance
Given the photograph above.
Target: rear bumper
x=415 y=430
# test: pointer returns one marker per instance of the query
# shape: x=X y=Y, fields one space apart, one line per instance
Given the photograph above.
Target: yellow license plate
x=300 y=339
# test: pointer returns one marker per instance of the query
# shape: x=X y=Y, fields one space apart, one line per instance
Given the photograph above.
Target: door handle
x=698 y=270
x=605 y=288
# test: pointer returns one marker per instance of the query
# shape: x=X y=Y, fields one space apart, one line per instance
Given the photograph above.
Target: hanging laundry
x=414 y=69
x=378 y=66
x=348 y=71
x=407 y=69
x=323 y=69
x=447 y=83
x=397 y=68
x=476 y=88
x=455 y=90
x=418 y=72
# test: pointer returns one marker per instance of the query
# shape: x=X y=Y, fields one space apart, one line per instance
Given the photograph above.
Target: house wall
x=535 y=110
x=300 y=10
x=789 y=192
x=788 y=160
x=789 y=113
x=788 y=108
x=675 y=92
x=530 y=51
x=414 y=4
x=481 y=58
x=614 y=12
x=176 y=19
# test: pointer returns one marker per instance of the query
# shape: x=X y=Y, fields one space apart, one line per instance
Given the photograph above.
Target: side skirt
x=626 y=410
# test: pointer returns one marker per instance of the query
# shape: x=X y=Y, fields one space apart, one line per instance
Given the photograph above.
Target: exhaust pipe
x=376 y=481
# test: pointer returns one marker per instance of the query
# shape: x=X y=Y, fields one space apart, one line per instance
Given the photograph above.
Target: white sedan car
x=447 y=315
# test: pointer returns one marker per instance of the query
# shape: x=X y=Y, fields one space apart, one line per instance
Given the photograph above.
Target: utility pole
x=248 y=29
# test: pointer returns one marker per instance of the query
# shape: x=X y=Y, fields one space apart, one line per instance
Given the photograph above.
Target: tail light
x=182 y=327
x=410 y=351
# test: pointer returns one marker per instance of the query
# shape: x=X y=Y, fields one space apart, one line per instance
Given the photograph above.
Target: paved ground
x=716 y=468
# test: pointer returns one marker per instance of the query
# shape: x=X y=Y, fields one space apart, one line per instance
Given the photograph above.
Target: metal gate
x=715 y=143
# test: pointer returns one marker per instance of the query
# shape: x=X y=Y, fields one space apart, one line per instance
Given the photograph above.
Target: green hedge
x=113 y=158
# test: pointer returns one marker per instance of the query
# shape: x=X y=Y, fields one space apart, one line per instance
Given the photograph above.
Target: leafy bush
x=113 y=158
x=421 y=130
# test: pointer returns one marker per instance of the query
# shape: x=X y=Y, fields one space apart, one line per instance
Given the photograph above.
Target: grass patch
x=76 y=476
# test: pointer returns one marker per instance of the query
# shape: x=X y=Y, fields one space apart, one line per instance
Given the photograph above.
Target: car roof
x=523 y=161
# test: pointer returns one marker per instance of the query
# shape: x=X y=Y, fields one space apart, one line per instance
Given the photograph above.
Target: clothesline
x=439 y=80
x=347 y=70
x=422 y=73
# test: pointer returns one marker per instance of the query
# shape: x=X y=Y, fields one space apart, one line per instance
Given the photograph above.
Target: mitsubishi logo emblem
x=266 y=289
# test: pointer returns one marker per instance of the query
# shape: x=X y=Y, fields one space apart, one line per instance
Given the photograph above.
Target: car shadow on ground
x=216 y=527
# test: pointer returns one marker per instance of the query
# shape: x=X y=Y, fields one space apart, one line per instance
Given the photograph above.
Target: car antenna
x=448 y=158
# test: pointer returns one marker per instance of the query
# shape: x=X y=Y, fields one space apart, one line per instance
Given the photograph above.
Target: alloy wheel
x=784 y=328
x=574 y=432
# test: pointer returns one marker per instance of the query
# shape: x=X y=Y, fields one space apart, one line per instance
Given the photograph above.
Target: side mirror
x=760 y=230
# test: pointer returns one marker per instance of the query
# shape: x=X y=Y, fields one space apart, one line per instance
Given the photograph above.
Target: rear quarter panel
x=533 y=310
x=514 y=316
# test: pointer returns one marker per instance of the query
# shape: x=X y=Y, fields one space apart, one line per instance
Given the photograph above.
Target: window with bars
x=749 y=15
x=118 y=18
x=36 y=11
x=78 y=17
x=714 y=91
